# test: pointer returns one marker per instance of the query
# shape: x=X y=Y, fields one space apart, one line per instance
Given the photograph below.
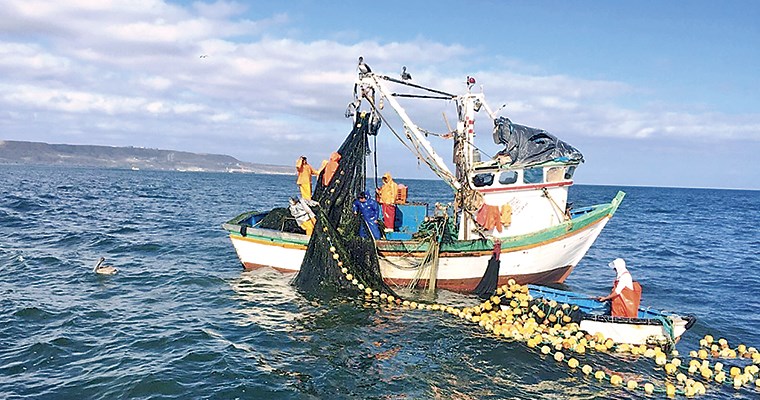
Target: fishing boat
x=593 y=316
x=514 y=203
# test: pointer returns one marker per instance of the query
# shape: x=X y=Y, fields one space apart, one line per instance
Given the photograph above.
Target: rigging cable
x=448 y=95
x=554 y=203
x=375 y=140
x=416 y=151
x=443 y=135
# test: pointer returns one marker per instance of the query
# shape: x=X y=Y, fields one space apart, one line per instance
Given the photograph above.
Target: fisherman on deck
x=304 y=171
x=387 y=197
x=370 y=212
x=301 y=211
x=329 y=167
x=626 y=294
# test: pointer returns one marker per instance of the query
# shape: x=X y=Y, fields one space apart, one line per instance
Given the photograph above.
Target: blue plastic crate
x=409 y=217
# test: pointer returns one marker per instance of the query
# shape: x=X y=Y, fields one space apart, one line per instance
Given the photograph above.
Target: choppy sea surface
x=182 y=319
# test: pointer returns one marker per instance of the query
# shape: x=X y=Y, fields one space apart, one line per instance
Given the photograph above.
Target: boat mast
x=468 y=105
x=465 y=156
x=464 y=159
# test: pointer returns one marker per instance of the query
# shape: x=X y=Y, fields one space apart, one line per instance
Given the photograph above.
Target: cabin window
x=508 y=177
x=484 y=179
x=555 y=174
x=570 y=171
x=533 y=175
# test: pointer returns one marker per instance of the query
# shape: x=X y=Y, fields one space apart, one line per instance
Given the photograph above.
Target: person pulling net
x=336 y=232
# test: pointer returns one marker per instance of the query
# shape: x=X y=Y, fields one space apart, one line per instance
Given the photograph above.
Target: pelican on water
x=104 y=269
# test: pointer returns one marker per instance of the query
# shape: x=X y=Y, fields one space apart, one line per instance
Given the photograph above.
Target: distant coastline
x=135 y=158
x=18 y=152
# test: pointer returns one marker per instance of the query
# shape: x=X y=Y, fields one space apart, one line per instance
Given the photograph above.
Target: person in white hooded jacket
x=625 y=294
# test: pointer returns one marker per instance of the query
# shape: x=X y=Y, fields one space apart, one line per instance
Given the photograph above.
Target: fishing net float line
x=551 y=328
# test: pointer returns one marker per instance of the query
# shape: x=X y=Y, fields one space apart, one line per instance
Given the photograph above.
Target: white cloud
x=188 y=108
x=135 y=68
x=155 y=82
x=220 y=117
x=29 y=56
x=156 y=107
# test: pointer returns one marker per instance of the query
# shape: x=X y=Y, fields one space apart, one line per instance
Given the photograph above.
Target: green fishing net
x=337 y=227
x=435 y=226
x=280 y=219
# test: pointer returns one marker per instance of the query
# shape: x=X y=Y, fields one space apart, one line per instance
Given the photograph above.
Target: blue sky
x=661 y=93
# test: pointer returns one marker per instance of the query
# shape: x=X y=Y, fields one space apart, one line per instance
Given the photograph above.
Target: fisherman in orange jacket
x=626 y=293
x=304 y=171
x=387 y=198
x=329 y=167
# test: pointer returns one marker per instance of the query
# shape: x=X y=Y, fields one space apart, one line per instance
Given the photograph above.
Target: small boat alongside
x=593 y=317
x=514 y=203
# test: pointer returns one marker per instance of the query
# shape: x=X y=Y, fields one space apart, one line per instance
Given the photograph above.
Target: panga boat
x=516 y=199
x=651 y=326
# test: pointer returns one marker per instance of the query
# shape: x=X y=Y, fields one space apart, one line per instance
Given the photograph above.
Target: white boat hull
x=548 y=261
x=626 y=332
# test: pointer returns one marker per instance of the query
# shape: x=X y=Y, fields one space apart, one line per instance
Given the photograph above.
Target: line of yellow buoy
x=510 y=314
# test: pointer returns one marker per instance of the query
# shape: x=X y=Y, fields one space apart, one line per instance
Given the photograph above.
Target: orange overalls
x=329 y=167
x=304 y=171
x=626 y=304
x=387 y=199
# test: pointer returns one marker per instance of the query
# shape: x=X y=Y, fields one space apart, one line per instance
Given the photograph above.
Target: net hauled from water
x=335 y=243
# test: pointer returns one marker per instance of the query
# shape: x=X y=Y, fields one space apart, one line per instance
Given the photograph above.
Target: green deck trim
x=564 y=229
x=265 y=235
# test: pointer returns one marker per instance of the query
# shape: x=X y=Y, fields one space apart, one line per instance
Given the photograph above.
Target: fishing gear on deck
x=280 y=219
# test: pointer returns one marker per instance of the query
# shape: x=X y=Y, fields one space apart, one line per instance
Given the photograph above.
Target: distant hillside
x=20 y=152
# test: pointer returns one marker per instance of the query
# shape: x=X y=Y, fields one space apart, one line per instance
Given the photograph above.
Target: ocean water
x=182 y=319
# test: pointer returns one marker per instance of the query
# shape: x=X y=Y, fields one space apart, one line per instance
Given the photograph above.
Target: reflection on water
x=267 y=299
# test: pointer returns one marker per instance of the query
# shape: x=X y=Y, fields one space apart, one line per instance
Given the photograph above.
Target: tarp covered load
x=528 y=146
x=337 y=227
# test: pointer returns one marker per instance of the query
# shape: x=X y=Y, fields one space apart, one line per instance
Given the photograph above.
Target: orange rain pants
x=626 y=304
